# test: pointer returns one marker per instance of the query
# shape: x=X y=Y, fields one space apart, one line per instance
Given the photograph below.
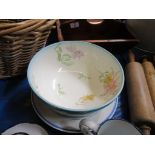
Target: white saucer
x=118 y=127
x=25 y=129
x=68 y=124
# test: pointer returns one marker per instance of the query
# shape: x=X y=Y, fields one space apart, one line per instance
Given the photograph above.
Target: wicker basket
x=19 y=41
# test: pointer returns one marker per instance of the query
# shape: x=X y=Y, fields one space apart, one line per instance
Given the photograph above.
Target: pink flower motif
x=111 y=87
x=70 y=49
x=75 y=53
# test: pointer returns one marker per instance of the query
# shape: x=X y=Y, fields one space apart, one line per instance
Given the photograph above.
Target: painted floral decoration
x=67 y=58
x=62 y=57
x=76 y=53
x=83 y=76
x=60 y=90
x=109 y=80
x=86 y=99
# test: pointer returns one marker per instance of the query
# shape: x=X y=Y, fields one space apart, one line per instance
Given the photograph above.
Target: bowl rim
x=62 y=108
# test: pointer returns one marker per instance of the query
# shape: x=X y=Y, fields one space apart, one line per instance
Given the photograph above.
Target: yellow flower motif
x=108 y=78
x=109 y=81
x=87 y=98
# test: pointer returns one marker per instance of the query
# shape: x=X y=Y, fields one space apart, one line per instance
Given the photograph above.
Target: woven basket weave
x=19 y=41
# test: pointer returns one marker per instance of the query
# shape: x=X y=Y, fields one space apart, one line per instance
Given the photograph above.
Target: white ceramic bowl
x=75 y=77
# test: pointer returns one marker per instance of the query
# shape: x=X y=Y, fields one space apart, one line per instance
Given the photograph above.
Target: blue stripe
x=70 y=130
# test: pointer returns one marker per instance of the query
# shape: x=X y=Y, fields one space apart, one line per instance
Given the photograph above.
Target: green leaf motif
x=65 y=58
x=83 y=76
x=59 y=52
x=60 y=90
x=67 y=63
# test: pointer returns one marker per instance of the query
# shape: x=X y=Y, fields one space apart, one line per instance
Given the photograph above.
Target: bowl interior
x=75 y=75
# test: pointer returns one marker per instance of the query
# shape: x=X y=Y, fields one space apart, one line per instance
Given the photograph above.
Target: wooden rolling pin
x=149 y=71
x=140 y=103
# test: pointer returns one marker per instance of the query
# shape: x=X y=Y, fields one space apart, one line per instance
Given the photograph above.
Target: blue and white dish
x=75 y=78
x=70 y=124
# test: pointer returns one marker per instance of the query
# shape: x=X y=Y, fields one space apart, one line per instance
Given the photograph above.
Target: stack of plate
x=73 y=80
x=70 y=124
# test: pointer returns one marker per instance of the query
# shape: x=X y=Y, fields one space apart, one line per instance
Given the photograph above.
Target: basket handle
x=4 y=25
x=31 y=28
x=48 y=25
x=18 y=26
x=23 y=27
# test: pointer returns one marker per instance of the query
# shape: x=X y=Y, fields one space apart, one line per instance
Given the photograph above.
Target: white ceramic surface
x=75 y=76
x=118 y=127
x=68 y=124
x=25 y=128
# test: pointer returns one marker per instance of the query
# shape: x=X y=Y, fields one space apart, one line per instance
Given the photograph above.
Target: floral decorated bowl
x=75 y=78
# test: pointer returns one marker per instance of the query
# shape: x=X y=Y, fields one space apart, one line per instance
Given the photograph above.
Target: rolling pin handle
x=145 y=60
x=131 y=56
x=145 y=129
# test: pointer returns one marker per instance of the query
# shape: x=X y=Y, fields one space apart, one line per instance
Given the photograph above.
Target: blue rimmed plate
x=70 y=124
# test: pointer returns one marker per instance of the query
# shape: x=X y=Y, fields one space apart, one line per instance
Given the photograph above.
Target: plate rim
x=69 y=130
